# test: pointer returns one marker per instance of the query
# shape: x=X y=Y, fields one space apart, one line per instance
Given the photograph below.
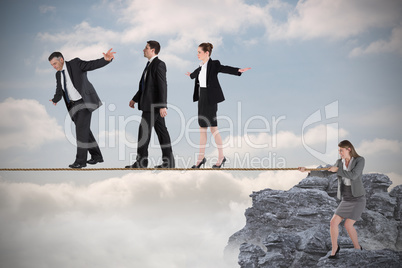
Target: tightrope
x=154 y=169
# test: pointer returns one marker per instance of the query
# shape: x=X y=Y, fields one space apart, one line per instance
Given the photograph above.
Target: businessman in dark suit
x=152 y=101
x=81 y=100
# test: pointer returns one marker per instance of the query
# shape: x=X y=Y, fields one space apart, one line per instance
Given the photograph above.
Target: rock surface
x=291 y=228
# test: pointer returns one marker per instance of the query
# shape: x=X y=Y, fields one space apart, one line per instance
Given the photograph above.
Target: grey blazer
x=355 y=175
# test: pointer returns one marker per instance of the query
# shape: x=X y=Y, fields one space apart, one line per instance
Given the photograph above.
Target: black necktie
x=65 y=87
x=143 y=77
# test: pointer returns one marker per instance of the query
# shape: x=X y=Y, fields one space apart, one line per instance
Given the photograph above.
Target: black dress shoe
x=94 y=161
x=335 y=255
x=139 y=164
x=221 y=165
x=76 y=165
x=166 y=164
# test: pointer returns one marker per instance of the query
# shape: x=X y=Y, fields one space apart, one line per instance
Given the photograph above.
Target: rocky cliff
x=291 y=228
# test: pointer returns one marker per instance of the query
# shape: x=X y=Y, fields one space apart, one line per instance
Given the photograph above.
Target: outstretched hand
x=188 y=73
x=54 y=103
x=244 y=69
x=109 y=55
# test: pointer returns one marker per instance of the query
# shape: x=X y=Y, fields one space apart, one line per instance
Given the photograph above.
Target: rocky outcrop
x=291 y=228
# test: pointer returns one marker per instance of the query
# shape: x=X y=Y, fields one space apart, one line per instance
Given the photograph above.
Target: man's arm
x=59 y=92
x=96 y=64
x=161 y=83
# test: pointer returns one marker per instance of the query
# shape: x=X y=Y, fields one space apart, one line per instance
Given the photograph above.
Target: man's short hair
x=154 y=45
x=57 y=55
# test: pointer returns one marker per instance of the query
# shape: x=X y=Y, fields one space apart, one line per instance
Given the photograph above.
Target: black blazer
x=214 y=90
x=77 y=69
x=155 y=91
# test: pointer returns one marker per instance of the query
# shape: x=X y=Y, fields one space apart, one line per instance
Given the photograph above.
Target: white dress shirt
x=146 y=71
x=73 y=94
x=202 y=76
x=346 y=181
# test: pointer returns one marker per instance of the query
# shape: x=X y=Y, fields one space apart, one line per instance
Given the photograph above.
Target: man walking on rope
x=152 y=101
x=81 y=100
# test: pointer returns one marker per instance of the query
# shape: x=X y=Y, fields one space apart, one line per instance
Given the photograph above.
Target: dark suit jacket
x=214 y=90
x=155 y=91
x=355 y=175
x=77 y=69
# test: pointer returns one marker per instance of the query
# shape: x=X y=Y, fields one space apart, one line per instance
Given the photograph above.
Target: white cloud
x=376 y=146
x=395 y=178
x=84 y=41
x=385 y=117
x=394 y=44
x=322 y=134
x=166 y=219
x=184 y=26
x=185 y=21
x=262 y=150
x=337 y=19
x=182 y=22
x=25 y=123
x=45 y=9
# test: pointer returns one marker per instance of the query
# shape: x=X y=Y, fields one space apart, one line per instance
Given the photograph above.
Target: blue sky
x=305 y=56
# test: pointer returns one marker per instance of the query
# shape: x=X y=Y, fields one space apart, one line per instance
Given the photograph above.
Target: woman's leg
x=334 y=230
x=203 y=142
x=218 y=141
x=352 y=232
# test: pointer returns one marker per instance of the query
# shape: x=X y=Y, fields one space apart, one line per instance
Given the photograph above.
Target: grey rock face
x=356 y=258
x=291 y=228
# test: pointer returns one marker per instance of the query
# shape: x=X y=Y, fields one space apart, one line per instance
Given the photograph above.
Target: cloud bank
x=184 y=26
x=25 y=123
x=166 y=219
x=376 y=146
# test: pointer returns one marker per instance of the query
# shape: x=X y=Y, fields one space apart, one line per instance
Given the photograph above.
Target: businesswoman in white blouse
x=208 y=93
x=350 y=188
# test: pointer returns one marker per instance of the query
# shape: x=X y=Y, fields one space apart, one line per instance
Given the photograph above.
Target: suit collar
x=152 y=59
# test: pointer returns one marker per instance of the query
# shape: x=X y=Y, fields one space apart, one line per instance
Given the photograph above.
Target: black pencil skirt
x=206 y=111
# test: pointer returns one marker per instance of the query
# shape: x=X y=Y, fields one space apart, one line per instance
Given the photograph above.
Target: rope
x=152 y=169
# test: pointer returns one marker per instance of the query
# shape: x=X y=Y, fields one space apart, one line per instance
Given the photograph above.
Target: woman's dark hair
x=57 y=55
x=154 y=45
x=347 y=144
x=206 y=47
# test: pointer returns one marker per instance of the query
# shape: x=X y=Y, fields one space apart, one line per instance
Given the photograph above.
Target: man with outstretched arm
x=81 y=100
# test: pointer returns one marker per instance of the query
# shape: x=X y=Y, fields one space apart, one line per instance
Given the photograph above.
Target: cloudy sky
x=322 y=71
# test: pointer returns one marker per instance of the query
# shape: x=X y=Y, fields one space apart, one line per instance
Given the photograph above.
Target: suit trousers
x=148 y=121
x=86 y=142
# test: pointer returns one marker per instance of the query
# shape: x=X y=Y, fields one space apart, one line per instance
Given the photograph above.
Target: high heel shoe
x=221 y=165
x=336 y=253
x=202 y=163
